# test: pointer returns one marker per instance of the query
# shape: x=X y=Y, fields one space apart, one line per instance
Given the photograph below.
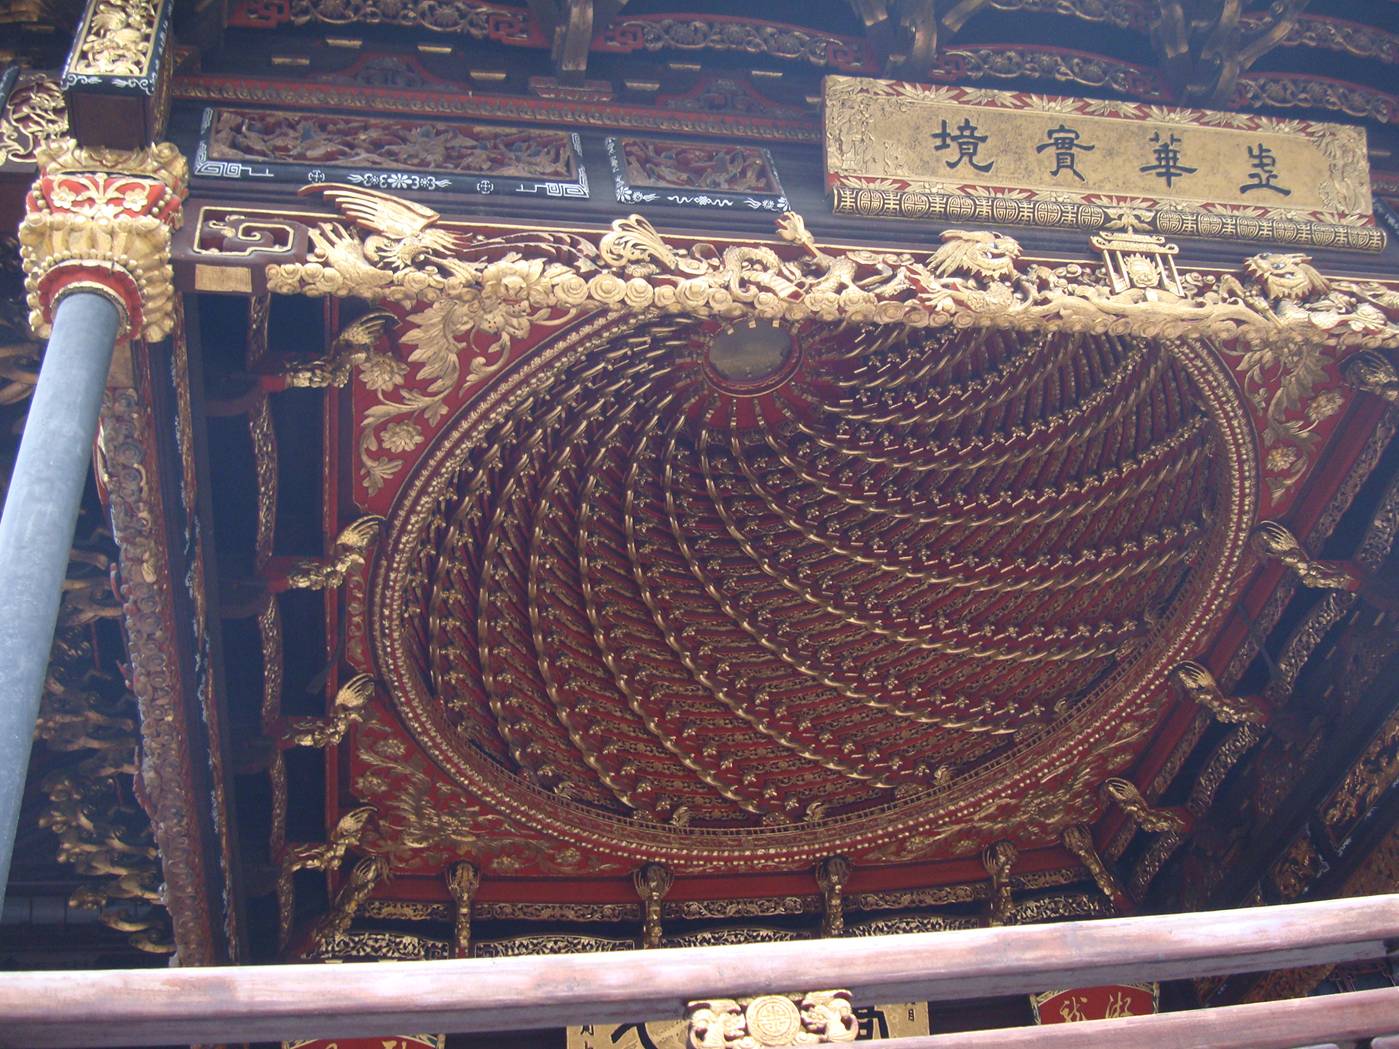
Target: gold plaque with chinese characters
x=964 y=154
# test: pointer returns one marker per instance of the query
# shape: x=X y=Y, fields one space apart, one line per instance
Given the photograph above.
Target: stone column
x=36 y=529
x=95 y=243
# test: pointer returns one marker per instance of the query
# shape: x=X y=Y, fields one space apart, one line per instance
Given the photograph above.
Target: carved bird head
x=362 y=334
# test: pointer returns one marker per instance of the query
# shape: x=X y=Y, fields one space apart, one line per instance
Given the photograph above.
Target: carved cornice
x=974 y=279
x=301 y=94
x=103 y=218
x=1299 y=91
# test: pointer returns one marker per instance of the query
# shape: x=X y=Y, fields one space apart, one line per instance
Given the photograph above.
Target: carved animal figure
x=716 y=1024
x=352 y=347
x=829 y=1016
x=350 y=702
x=1371 y=371
x=975 y=253
x=402 y=229
x=1286 y=276
x=322 y=856
x=1199 y=684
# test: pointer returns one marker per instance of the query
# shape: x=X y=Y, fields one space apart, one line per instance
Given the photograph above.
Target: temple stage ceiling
x=741 y=597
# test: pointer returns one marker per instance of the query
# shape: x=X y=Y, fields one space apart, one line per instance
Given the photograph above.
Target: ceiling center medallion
x=752 y=358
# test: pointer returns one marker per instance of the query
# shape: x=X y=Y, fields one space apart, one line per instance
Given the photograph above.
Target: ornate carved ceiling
x=739 y=593
x=740 y=598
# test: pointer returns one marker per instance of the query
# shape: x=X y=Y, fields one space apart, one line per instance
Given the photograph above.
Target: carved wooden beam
x=571 y=25
x=572 y=38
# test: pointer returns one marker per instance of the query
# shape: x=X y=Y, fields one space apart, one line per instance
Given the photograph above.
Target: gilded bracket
x=832 y=875
x=1371 y=372
x=350 y=700
x=321 y=856
x=1273 y=540
x=1199 y=684
x=1078 y=839
x=351 y=547
x=367 y=873
x=652 y=882
x=352 y=349
x=1130 y=800
x=998 y=860
x=463 y=879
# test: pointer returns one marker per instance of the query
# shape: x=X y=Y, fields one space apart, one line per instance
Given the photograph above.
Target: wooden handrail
x=272 y=1002
x=1259 y=1025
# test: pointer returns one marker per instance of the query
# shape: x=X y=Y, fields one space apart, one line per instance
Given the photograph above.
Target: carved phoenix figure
x=402 y=238
x=403 y=230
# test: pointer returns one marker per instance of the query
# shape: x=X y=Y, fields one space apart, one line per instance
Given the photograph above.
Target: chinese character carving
x=1263 y=175
x=967 y=140
x=1064 y=140
x=1166 y=159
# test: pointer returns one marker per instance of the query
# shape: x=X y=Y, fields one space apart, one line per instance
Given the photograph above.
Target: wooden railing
x=273 y=1002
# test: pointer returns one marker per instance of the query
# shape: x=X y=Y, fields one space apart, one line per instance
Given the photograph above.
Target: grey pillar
x=36 y=530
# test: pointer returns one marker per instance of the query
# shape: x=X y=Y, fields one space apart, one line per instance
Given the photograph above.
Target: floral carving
x=117 y=39
x=35 y=115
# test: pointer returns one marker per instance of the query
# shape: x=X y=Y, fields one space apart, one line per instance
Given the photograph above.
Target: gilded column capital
x=101 y=220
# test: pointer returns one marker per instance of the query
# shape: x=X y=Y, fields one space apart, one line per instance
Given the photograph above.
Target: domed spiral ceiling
x=759 y=578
